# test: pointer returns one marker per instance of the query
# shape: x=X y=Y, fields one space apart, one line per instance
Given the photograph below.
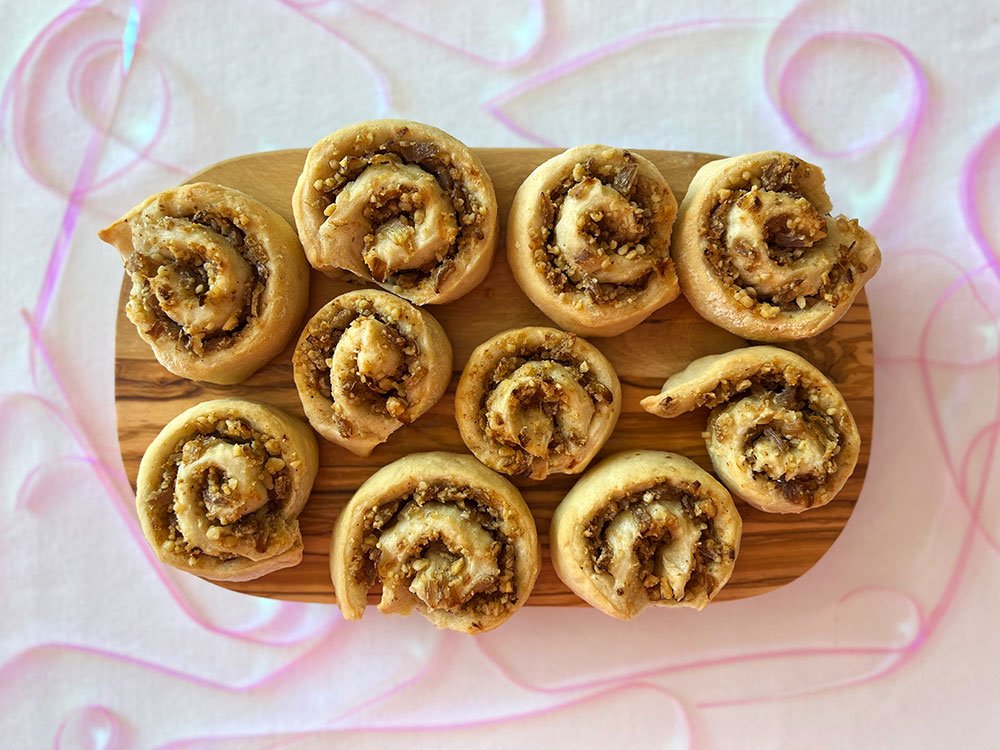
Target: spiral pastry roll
x=780 y=435
x=441 y=534
x=588 y=239
x=219 y=281
x=221 y=487
x=368 y=363
x=399 y=203
x=537 y=401
x=645 y=527
x=759 y=254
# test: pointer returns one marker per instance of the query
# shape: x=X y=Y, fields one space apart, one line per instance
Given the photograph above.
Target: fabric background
x=890 y=641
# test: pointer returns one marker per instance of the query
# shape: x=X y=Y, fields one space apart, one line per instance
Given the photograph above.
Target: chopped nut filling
x=423 y=214
x=773 y=249
x=786 y=437
x=598 y=233
x=441 y=547
x=539 y=404
x=359 y=354
x=199 y=280
x=659 y=541
x=223 y=492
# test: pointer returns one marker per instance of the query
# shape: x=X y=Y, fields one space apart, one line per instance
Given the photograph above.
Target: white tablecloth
x=890 y=641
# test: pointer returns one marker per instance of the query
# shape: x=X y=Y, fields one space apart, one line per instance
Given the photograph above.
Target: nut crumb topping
x=197 y=279
x=539 y=403
x=413 y=189
x=223 y=494
x=603 y=235
x=772 y=248
x=362 y=354
x=440 y=547
x=659 y=541
x=779 y=430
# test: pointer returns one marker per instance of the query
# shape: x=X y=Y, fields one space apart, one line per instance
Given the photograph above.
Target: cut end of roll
x=780 y=434
x=441 y=535
x=367 y=364
x=588 y=239
x=401 y=204
x=220 y=489
x=537 y=401
x=219 y=280
x=645 y=528
x=758 y=252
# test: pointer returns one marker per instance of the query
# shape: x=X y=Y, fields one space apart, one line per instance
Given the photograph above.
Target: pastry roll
x=759 y=254
x=399 y=203
x=780 y=435
x=368 y=363
x=441 y=534
x=221 y=487
x=645 y=527
x=588 y=239
x=537 y=401
x=219 y=281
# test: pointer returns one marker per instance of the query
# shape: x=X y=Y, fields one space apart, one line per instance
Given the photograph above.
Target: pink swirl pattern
x=87 y=65
x=982 y=169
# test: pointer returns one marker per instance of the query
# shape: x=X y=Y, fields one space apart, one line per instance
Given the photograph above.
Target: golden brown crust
x=780 y=435
x=221 y=487
x=645 y=528
x=399 y=203
x=219 y=281
x=368 y=363
x=442 y=535
x=537 y=401
x=588 y=239
x=759 y=254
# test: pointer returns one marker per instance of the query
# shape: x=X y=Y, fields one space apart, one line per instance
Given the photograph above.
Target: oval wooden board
x=776 y=549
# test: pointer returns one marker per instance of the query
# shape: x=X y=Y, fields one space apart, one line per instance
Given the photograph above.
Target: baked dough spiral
x=645 y=528
x=537 y=401
x=444 y=536
x=399 y=203
x=368 y=363
x=588 y=239
x=780 y=435
x=219 y=281
x=759 y=254
x=221 y=487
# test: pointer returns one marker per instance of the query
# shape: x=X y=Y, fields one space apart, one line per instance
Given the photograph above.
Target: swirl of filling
x=642 y=528
x=780 y=434
x=435 y=556
x=440 y=534
x=220 y=489
x=368 y=363
x=588 y=239
x=219 y=281
x=537 y=401
x=759 y=254
x=399 y=203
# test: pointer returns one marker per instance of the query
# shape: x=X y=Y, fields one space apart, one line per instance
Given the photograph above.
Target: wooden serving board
x=776 y=549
